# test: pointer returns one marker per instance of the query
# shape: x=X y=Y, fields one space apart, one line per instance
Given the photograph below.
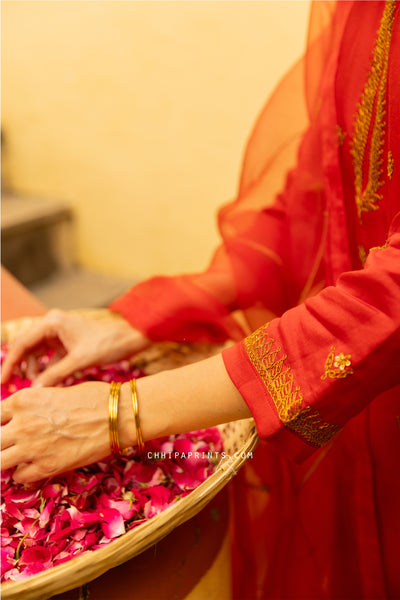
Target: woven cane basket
x=239 y=440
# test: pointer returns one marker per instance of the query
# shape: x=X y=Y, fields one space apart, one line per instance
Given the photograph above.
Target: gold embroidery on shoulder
x=312 y=428
x=390 y=164
x=269 y=363
x=337 y=366
x=372 y=98
x=341 y=135
x=362 y=254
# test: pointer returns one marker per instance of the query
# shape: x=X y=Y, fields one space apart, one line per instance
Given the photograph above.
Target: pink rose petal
x=36 y=554
x=6 y=559
x=112 y=523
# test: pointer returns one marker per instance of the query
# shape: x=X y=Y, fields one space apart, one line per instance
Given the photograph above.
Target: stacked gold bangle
x=113 y=400
x=135 y=405
x=113 y=417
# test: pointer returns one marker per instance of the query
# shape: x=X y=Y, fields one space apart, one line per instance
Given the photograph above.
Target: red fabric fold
x=174 y=309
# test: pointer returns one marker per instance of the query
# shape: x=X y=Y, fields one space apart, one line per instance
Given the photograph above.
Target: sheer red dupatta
x=253 y=270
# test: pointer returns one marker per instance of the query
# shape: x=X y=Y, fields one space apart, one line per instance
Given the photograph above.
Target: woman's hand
x=51 y=430
x=46 y=431
x=79 y=342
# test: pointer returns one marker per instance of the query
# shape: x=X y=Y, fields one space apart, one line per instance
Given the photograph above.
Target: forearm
x=192 y=397
x=51 y=430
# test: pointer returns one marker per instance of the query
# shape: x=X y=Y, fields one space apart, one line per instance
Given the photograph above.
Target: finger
x=7 y=438
x=38 y=362
x=58 y=355
x=57 y=372
x=23 y=343
x=6 y=414
x=28 y=473
x=11 y=457
x=32 y=366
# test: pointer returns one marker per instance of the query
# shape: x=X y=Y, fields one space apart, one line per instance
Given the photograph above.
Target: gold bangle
x=135 y=405
x=113 y=417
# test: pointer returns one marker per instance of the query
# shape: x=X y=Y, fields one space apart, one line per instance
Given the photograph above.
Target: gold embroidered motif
x=373 y=97
x=337 y=366
x=312 y=428
x=390 y=164
x=362 y=254
x=341 y=135
x=287 y=397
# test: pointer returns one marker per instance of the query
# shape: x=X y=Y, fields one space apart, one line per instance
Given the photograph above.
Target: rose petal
x=6 y=559
x=36 y=554
x=112 y=523
x=126 y=508
x=46 y=513
x=11 y=575
x=32 y=569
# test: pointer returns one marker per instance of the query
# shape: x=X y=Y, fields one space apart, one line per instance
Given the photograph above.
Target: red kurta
x=320 y=372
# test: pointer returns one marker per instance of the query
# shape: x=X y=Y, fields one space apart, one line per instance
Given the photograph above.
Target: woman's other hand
x=78 y=342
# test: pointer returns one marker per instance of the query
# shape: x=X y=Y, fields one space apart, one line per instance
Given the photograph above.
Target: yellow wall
x=136 y=112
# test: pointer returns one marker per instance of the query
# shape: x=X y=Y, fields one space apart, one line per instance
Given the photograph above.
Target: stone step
x=36 y=237
x=78 y=288
x=37 y=248
x=21 y=213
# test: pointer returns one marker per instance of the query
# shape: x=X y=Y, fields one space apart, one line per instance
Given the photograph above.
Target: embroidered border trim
x=277 y=379
x=269 y=361
x=373 y=96
x=309 y=425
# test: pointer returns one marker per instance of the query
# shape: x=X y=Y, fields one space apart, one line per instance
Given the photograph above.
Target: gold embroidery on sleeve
x=312 y=428
x=270 y=364
x=341 y=135
x=372 y=99
x=337 y=366
x=276 y=377
x=390 y=164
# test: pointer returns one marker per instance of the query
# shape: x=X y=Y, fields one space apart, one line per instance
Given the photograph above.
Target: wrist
x=154 y=414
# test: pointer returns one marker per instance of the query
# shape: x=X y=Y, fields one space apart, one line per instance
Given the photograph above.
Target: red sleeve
x=307 y=373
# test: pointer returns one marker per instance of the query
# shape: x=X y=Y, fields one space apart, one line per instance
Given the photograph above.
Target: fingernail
x=37 y=384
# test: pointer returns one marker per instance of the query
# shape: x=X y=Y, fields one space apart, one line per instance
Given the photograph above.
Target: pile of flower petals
x=49 y=522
